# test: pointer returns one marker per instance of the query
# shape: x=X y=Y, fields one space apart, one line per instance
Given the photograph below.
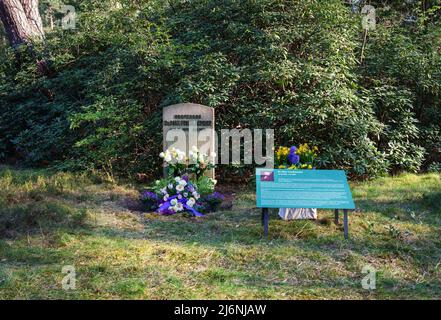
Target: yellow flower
x=309 y=166
x=282 y=152
x=282 y=167
x=303 y=148
x=304 y=166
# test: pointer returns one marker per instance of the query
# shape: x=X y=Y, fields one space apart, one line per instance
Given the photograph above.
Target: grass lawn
x=49 y=220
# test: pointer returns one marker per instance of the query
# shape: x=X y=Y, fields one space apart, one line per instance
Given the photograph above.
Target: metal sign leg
x=265 y=221
x=345 y=223
x=336 y=216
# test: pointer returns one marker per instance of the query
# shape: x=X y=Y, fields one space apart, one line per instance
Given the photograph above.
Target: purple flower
x=293 y=158
x=150 y=199
x=211 y=202
x=176 y=202
x=149 y=196
x=216 y=195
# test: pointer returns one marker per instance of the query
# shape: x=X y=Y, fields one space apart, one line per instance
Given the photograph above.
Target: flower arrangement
x=302 y=157
x=177 y=196
x=199 y=162
x=178 y=163
x=179 y=192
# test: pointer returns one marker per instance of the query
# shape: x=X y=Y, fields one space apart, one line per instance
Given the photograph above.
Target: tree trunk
x=31 y=10
x=21 y=20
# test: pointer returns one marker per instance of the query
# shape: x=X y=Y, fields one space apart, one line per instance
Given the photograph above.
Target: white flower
x=191 y=202
x=164 y=190
x=170 y=186
x=183 y=183
x=166 y=197
x=193 y=156
x=157 y=182
x=180 y=206
x=186 y=194
x=196 y=195
x=174 y=202
x=201 y=158
x=179 y=187
x=180 y=157
x=173 y=155
x=168 y=157
x=179 y=196
x=177 y=179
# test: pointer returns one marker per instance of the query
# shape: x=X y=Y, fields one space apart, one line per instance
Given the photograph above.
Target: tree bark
x=31 y=10
x=21 y=20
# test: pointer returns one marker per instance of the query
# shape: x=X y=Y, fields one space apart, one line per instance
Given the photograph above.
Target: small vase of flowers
x=293 y=158
x=186 y=189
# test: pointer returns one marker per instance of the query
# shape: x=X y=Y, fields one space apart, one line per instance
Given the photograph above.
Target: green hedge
x=289 y=65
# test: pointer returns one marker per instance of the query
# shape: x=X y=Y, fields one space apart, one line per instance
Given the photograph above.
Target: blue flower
x=150 y=200
x=149 y=196
x=293 y=158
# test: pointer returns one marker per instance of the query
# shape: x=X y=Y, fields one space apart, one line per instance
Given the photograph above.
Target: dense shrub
x=289 y=65
x=402 y=70
x=398 y=139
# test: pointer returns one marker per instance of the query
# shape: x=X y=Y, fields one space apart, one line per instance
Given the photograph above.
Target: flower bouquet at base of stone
x=179 y=195
x=186 y=189
x=175 y=160
x=293 y=158
x=199 y=162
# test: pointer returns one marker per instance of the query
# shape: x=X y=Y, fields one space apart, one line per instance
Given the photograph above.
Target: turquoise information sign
x=323 y=189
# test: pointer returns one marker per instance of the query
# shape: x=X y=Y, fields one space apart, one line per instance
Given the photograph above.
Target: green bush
x=403 y=65
x=399 y=137
x=289 y=65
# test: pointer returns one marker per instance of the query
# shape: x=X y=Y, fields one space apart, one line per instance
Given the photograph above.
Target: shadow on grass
x=315 y=244
x=39 y=217
x=244 y=224
x=426 y=209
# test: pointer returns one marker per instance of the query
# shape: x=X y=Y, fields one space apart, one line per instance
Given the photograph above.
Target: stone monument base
x=297 y=213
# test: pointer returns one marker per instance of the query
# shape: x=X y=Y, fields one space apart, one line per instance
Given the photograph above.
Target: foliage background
x=300 y=67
